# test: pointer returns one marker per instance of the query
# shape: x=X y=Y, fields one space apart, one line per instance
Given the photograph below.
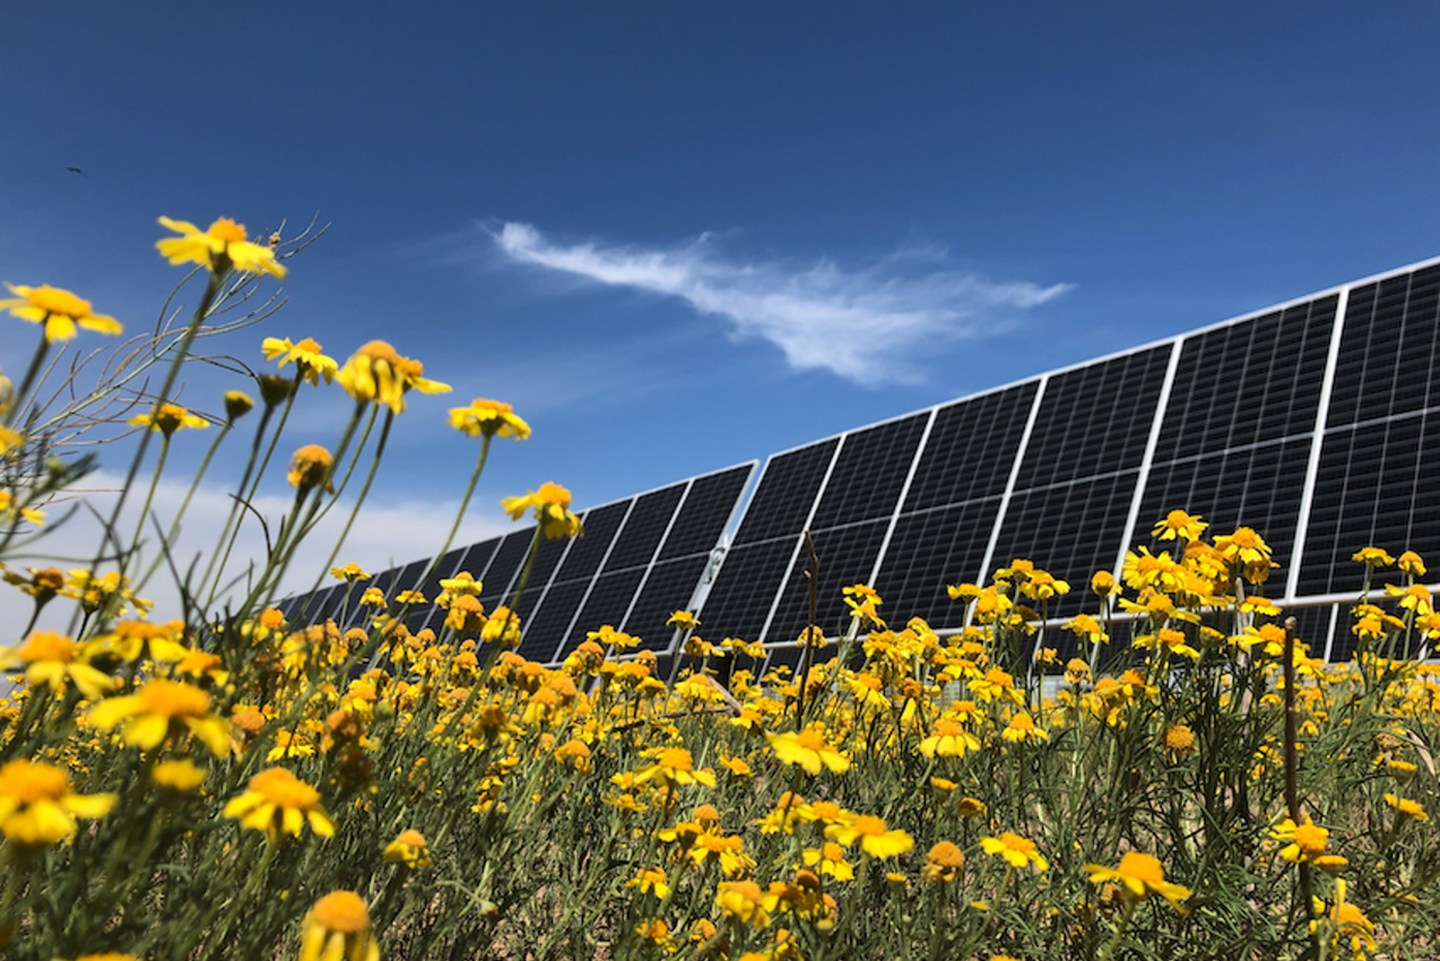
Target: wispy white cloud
x=872 y=324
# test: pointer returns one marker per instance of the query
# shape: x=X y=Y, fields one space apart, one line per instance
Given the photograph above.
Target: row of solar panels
x=1311 y=423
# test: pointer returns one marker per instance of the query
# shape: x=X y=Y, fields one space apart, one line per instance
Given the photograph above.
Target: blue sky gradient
x=680 y=236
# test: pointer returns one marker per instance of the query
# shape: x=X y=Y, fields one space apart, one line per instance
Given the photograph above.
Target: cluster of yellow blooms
x=945 y=793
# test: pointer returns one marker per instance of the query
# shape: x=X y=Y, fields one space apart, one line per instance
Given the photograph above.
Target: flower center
x=28 y=782
x=343 y=912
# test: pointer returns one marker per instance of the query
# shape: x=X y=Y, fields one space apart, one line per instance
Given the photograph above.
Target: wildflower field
x=215 y=781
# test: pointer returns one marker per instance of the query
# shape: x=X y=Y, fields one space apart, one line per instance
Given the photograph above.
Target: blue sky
x=681 y=236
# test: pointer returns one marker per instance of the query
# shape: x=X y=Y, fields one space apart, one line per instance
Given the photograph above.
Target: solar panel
x=1254 y=487
x=1070 y=530
x=1094 y=420
x=608 y=603
x=1309 y=421
x=546 y=631
x=505 y=567
x=847 y=555
x=871 y=468
x=668 y=588
x=930 y=550
x=971 y=448
x=745 y=589
x=1388 y=350
x=1375 y=487
x=786 y=492
x=644 y=529
x=1247 y=383
x=708 y=506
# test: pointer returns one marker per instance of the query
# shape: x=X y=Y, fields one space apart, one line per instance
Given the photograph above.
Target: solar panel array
x=640 y=559
x=1309 y=422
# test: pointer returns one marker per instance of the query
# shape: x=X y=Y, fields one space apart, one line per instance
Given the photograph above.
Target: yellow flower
x=409 y=848
x=237 y=404
x=551 y=504
x=58 y=310
x=944 y=862
x=1103 y=583
x=1017 y=851
x=674 y=765
x=1023 y=729
x=1179 y=525
x=350 y=573
x=1306 y=842
x=168 y=418
x=338 y=929
x=52 y=659
x=38 y=807
x=1373 y=557
x=652 y=881
x=683 y=620
x=949 y=738
x=222 y=246
x=487 y=418
x=305 y=354
x=1248 y=549
x=1346 y=920
x=180 y=776
x=1179 y=740
x=376 y=372
x=12 y=512
x=1140 y=875
x=1407 y=807
x=311 y=466
x=874 y=839
x=277 y=801
x=743 y=901
x=809 y=750
x=161 y=709
x=1411 y=564
x=829 y=859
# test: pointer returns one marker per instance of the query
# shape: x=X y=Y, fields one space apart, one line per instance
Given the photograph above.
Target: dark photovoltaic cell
x=505 y=566
x=1376 y=486
x=971 y=448
x=546 y=631
x=1313 y=626
x=1388 y=349
x=668 y=589
x=1094 y=419
x=547 y=558
x=929 y=551
x=1070 y=530
x=477 y=558
x=847 y=556
x=1248 y=382
x=587 y=552
x=608 y=603
x=1257 y=487
x=787 y=489
x=644 y=528
x=409 y=577
x=869 y=473
x=744 y=591
x=705 y=512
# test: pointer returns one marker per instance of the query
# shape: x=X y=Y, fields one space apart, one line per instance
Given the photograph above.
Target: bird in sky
x=77 y=170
